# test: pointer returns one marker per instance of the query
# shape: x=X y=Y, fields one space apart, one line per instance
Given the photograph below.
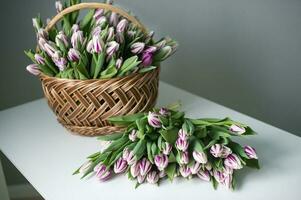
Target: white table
x=46 y=154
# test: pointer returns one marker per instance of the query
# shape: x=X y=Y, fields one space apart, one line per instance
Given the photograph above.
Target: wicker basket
x=83 y=106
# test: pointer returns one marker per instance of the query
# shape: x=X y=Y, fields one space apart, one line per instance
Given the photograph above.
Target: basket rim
x=42 y=75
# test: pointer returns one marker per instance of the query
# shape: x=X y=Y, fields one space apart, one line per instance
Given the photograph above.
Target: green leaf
x=116 y=144
x=66 y=25
x=200 y=132
x=149 y=152
x=252 y=163
x=249 y=131
x=125 y=120
x=170 y=171
x=211 y=143
x=99 y=64
x=81 y=67
x=198 y=145
x=214 y=183
x=188 y=126
x=170 y=135
x=147 y=69
x=178 y=115
x=109 y=72
x=110 y=137
x=93 y=64
x=139 y=149
x=172 y=158
x=154 y=149
x=129 y=64
x=94 y=155
x=141 y=122
x=238 y=149
x=86 y=21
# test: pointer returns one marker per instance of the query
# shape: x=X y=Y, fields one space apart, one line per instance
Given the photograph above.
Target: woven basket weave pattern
x=84 y=106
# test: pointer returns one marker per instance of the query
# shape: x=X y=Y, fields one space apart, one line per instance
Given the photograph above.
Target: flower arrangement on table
x=164 y=143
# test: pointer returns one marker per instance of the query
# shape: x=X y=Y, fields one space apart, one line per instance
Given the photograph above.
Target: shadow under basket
x=83 y=106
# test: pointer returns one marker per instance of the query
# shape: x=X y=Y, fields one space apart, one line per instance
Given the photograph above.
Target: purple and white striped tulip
x=182 y=134
x=220 y=151
x=135 y=170
x=153 y=120
x=181 y=144
x=119 y=38
x=195 y=168
x=113 y=19
x=152 y=177
x=101 y=21
x=110 y=35
x=239 y=130
x=120 y=166
x=58 y=6
x=184 y=158
x=219 y=176
x=98 y=44
x=42 y=33
x=166 y=148
x=41 y=43
x=204 y=175
x=61 y=37
x=137 y=47
x=50 y=50
x=226 y=152
x=85 y=167
x=144 y=166
x=131 y=159
x=96 y=31
x=227 y=170
x=33 y=69
x=141 y=179
x=103 y=173
x=112 y=48
x=119 y=62
x=164 y=111
x=151 y=49
x=200 y=156
x=228 y=181
x=161 y=161
x=133 y=135
x=98 y=13
x=60 y=62
x=77 y=39
x=121 y=26
x=89 y=47
x=147 y=59
x=74 y=28
x=40 y=60
x=73 y=55
x=125 y=153
x=233 y=161
x=185 y=171
x=251 y=152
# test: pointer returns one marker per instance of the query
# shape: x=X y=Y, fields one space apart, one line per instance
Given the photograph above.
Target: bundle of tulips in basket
x=108 y=46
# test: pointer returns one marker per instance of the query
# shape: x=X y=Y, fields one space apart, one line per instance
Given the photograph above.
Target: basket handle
x=81 y=6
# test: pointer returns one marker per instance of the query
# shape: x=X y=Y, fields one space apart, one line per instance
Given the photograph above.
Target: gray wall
x=244 y=54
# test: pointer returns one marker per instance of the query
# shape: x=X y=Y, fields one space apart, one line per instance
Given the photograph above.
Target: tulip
x=219 y=150
x=33 y=69
x=133 y=135
x=166 y=148
x=164 y=111
x=227 y=170
x=204 y=175
x=226 y=151
x=101 y=21
x=119 y=38
x=251 y=152
x=164 y=53
x=237 y=129
x=152 y=177
x=141 y=179
x=77 y=39
x=41 y=43
x=131 y=158
x=61 y=38
x=144 y=166
x=160 y=44
x=74 y=28
x=185 y=171
x=184 y=158
x=182 y=134
x=151 y=49
x=50 y=49
x=233 y=161
x=40 y=60
x=121 y=26
x=119 y=62
x=42 y=33
x=89 y=47
x=135 y=170
x=36 y=23
x=228 y=181
x=96 y=31
x=103 y=173
x=98 y=13
x=112 y=48
x=98 y=44
x=218 y=176
x=120 y=166
x=59 y=61
x=195 y=168
x=147 y=59
x=85 y=167
x=58 y=6
x=161 y=161
x=153 y=120
x=162 y=174
x=137 y=47
x=200 y=156
x=73 y=55
x=113 y=19
x=149 y=37
x=110 y=35
x=181 y=144
x=125 y=153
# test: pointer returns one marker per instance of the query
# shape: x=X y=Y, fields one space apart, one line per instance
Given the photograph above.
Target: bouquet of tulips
x=102 y=45
x=164 y=143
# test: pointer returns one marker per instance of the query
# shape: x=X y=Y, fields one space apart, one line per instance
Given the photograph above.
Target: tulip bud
x=131 y=158
x=218 y=176
x=61 y=38
x=153 y=120
x=96 y=31
x=164 y=111
x=119 y=62
x=98 y=45
x=121 y=26
x=74 y=28
x=144 y=166
x=59 y=61
x=219 y=150
x=89 y=47
x=119 y=38
x=184 y=158
x=133 y=135
x=147 y=59
x=226 y=151
x=166 y=148
x=33 y=69
x=73 y=55
x=152 y=177
x=233 y=161
x=125 y=153
x=50 y=49
x=41 y=43
x=135 y=170
x=42 y=33
x=181 y=144
x=141 y=179
x=228 y=181
x=149 y=37
x=204 y=175
x=195 y=168
x=58 y=6
x=227 y=170
x=137 y=47
x=112 y=48
x=98 y=13
x=182 y=134
x=185 y=171
x=85 y=167
x=237 y=129
x=77 y=39
x=40 y=60
x=120 y=166
x=251 y=152
x=151 y=49
x=101 y=21
x=160 y=44
x=103 y=173
x=113 y=19
x=110 y=35
x=200 y=156
x=163 y=53
x=161 y=161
